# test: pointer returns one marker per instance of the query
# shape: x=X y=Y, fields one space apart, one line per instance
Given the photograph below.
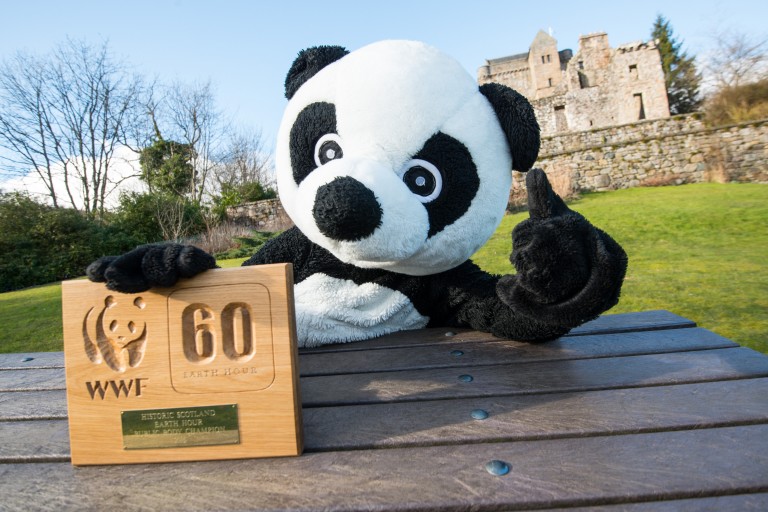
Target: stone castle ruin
x=597 y=87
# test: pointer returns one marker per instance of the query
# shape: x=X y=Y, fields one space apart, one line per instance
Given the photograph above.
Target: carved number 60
x=203 y=335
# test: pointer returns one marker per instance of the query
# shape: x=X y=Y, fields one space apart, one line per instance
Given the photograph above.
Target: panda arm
x=467 y=297
x=291 y=246
x=568 y=271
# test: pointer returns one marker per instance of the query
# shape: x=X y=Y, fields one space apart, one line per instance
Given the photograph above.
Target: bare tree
x=64 y=116
x=26 y=131
x=194 y=119
x=245 y=159
x=172 y=219
x=737 y=59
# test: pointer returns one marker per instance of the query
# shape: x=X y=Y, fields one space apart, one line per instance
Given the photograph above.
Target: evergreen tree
x=680 y=75
x=166 y=167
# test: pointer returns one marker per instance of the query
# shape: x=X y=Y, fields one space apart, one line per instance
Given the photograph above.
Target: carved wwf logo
x=116 y=334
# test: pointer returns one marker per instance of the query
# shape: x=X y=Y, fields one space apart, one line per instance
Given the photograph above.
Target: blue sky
x=246 y=47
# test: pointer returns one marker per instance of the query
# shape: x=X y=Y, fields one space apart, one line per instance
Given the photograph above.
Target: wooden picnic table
x=639 y=411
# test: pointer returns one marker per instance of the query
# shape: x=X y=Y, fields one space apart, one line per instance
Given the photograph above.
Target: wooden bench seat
x=640 y=411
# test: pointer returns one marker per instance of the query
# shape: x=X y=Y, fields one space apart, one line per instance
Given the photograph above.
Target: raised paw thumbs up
x=543 y=203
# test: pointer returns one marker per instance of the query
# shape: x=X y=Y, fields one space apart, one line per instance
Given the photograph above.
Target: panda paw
x=568 y=271
x=149 y=265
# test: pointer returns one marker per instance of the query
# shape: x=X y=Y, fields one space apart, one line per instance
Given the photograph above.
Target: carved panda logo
x=116 y=334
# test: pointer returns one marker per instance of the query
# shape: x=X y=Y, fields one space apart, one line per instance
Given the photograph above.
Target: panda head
x=391 y=157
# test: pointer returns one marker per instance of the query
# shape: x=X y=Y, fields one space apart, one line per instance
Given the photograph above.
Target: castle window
x=583 y=81
x=581 y=64
x=561 y=123
x=639 y=107
x=542 y=59
x=548 y=58
x=549 y=81
x=633 y=71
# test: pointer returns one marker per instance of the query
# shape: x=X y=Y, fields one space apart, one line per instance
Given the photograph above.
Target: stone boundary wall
x=676 y=150
x=266 y=215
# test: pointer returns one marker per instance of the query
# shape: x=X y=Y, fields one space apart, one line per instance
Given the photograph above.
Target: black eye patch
x=460 y=180
x=316 y=120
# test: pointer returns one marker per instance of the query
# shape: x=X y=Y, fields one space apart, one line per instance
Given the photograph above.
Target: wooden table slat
x=432 y=356
x=20 y=405
x=31 y=360
x=530 y=378
x=527 y=417
x=458 y=355
x=606 y=324
x=559 y=472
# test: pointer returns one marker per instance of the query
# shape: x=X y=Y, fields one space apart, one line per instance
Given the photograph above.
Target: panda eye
x=328 y=148
x=424 y=180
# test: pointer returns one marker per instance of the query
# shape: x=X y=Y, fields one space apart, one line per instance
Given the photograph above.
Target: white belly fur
x=330 y=310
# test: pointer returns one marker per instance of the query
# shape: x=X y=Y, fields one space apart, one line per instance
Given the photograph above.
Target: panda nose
x=346 y=210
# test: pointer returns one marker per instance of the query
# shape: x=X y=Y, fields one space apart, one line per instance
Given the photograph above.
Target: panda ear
x=518 y=122
x=308 y=63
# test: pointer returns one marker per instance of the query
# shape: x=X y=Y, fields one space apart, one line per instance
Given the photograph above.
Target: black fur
x=460 y=181
x=308 y=63
x=149 y=265
x=313 y=122
x=568 y=271
x=518 y=122
x=461 y=297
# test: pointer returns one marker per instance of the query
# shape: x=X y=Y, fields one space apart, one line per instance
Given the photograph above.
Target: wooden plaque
x=204 y=370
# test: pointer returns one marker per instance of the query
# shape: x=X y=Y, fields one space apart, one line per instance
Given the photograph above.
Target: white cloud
x=124 y=167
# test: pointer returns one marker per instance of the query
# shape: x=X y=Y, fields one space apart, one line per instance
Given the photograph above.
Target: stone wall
x=676 y=150
x=266 y=215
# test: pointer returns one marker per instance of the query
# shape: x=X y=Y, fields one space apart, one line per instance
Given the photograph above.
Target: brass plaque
x=183 y=426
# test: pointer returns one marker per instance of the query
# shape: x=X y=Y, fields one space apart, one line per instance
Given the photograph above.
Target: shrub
x=40 y=244
x=220 y=238
x=246 y=246
x=156 y=217
x=738 y=104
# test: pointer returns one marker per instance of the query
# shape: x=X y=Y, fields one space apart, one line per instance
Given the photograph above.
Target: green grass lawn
x=696 y=250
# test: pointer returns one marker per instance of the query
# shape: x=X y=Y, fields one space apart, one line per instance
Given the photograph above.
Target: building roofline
x=517 y=56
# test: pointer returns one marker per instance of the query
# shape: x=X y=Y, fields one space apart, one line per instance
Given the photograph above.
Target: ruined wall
x=676 y=150
x=266 y=215
x=598 y=86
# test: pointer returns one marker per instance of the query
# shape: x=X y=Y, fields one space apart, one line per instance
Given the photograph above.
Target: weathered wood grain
x=606 y=324
x=31 y=360
x=20 y=405
x=44 y=379
x=636 y=321
x=527 y=417
x=458 y=355
x=441 y=356
x=29 y=441
x=491 y=380
x=551 y=473
x=529 y=378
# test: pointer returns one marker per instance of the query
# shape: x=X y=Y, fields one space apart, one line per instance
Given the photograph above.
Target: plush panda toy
x=396 y=167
